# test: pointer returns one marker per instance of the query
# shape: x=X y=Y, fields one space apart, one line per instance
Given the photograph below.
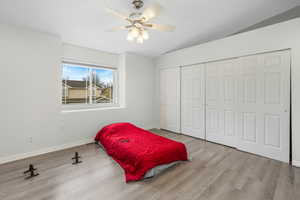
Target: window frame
x=80 y=106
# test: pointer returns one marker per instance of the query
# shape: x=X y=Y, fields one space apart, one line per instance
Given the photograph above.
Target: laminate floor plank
x=214 y=172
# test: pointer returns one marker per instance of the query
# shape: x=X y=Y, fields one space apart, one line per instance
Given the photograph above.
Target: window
x=86 y=84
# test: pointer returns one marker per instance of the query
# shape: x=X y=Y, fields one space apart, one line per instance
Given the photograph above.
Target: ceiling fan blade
x=117 y=13
x=117 y=28
x=166 y=28
x=152 y=11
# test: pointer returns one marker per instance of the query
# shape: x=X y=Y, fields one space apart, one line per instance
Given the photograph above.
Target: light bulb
x=134 y=32
x=145 y=35
x=129 y=37
x=140 y=39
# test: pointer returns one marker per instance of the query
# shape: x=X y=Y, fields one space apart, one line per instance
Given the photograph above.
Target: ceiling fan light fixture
x=129 y=37
x=139 y=21
x=134 y=32
x=140 y=39
x=145 y=35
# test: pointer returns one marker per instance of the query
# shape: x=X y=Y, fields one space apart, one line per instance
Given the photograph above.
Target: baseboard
x=12 y=158
x=296 y=163
x=150 y=127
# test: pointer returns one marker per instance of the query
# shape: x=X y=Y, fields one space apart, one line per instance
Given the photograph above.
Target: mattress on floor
x=154 y=171
x=138 y=150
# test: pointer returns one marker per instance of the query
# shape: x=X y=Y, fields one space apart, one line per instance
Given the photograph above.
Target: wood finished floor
x=215 y=172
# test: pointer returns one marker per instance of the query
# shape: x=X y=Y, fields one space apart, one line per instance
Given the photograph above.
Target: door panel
x=272 y=87
x=272 y=130
x=249 y=127
x=212 y=123
x=264 y=104
x=229 y=123
x=221 y=112
x=193 y=101
x=170 y=99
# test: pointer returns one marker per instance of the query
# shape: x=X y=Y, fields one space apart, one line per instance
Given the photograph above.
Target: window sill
x=85 y=108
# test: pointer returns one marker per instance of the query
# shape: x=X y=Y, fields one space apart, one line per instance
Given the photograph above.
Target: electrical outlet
x=30 y=139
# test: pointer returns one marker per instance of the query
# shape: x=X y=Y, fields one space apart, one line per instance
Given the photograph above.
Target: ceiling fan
x=138 y=21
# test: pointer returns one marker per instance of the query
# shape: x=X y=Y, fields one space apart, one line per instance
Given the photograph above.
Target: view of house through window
x=87 y=85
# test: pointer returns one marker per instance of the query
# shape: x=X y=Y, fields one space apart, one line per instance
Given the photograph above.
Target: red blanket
x=137 y=150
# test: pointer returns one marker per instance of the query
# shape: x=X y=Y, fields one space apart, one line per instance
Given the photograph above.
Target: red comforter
x=138 y=150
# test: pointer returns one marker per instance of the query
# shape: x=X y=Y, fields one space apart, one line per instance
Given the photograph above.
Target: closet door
x=170 y=99
x=193 y=101
x=264 y=104
x=221 y=109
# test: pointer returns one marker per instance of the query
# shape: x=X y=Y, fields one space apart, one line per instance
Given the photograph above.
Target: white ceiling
x=83 y=22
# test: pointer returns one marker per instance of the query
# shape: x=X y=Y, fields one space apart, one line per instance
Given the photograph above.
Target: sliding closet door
x=264 y=104
x=221 y=109
x=170 y=99
x=193 y=101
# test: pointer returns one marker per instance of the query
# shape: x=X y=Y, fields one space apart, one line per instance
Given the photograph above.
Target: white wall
x=30 y=104
x=89 y=56
x=276 y=37
x=30 y=82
